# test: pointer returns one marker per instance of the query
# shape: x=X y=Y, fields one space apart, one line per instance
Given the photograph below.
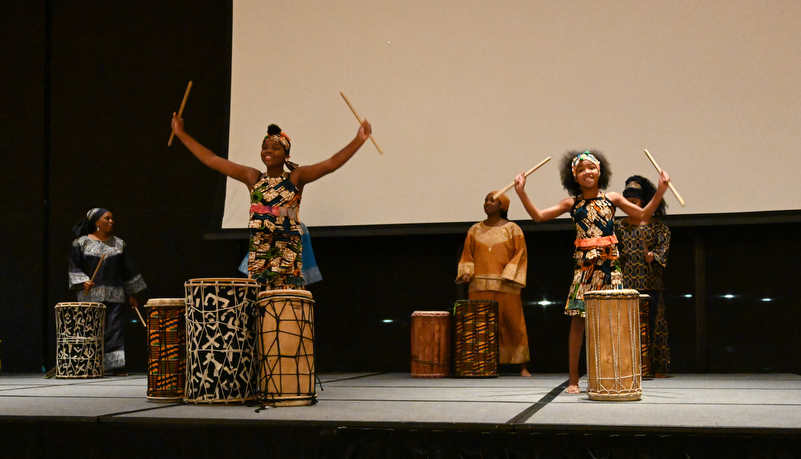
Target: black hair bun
x=273 y=129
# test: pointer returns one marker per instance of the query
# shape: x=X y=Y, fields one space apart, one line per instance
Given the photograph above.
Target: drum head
x=431 y=314
x=80 y=305
x=612 y=293
x=154 y=302
x=285 y=292
x=222 y=280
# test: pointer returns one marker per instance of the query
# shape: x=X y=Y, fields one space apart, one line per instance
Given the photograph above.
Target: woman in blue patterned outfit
x=584 y=175
x=274 y=257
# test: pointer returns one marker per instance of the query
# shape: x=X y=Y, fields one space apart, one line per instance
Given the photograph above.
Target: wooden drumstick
x=180 y=110
x=102 y=257
x=140 y=317
x=360 y=122
x=96 y=270
x=509 y=186
x=672 y=188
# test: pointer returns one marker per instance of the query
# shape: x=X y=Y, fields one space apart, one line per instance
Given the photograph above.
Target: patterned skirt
x=596 y=268
x=275 y=260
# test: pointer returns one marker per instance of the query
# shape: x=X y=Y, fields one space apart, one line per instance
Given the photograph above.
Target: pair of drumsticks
x=189 y=86
x=658 y=169
x=496 y=196
x=97 y=268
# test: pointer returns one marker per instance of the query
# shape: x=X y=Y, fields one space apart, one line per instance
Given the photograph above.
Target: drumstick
x=98 y=267
x=96 y=270
x=140 y=317
x=672 y=188
x=507 y=187
x=360 y=122
x=180 y=111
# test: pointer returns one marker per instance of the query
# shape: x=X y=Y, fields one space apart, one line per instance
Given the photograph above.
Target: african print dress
x=497 y=259
x=645 y=277
x=596 y=255
x=274 y=257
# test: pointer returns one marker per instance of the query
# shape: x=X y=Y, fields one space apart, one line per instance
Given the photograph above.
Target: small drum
x=645 y=336
x=613 y=345
x=285 y=348
x=79 y=340
x=220 y=340
x=166 y=349
x=431 y=344
x=475 y=338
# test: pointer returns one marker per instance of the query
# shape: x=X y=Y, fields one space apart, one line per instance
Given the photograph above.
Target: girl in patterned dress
x=644 y=247
x=584 y=175
x=274 y=257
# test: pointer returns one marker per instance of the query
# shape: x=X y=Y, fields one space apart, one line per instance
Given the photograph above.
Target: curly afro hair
x=566 y=171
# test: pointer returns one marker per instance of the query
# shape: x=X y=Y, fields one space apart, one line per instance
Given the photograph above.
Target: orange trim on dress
x=602 y=241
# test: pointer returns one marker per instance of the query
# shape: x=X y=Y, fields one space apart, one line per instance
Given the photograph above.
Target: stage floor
x=690 y=403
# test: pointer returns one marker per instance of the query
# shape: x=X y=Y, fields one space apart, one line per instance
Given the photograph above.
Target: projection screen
x=463 y=95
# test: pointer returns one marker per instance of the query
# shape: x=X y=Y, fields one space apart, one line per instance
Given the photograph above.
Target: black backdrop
x=84 y=119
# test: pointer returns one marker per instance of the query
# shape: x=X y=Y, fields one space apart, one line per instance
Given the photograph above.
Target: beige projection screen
x=465 y=94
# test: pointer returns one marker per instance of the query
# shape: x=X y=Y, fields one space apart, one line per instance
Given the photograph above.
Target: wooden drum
x=166 y=349
x=431 y=344
x=613 y=345
x=475 y=338
x=79 y=340
x=220 y=340
x=285 y=348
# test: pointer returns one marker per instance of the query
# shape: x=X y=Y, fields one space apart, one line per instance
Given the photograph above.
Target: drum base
x=228 y=401
x=289 y=401
x=178 y=398
x=632 y=397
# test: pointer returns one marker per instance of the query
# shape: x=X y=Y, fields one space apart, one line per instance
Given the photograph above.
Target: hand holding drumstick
x=91 y=282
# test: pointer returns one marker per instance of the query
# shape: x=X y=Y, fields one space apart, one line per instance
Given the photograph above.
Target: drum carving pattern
x=79 y=340
x=220 y=340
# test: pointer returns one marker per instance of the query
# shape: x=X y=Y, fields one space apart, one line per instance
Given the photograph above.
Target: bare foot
x=573 y=389
x=524 y=372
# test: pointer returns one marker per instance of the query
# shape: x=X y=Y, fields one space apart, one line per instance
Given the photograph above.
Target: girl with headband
x=644 y=246
x=584 y=175
x=274 y=257
x=115 y=283
x=494 y=262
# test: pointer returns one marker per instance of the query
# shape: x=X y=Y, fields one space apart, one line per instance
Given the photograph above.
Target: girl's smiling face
x=272 y=153
x=587 y=174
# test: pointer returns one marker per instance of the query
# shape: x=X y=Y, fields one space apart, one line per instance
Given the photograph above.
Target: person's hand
x=132 y=300
x=88 y=286
x=177 y=123
x=365 y=130
x=465 y=277
x=649 y=256
x=520 y=183
x=664 y=178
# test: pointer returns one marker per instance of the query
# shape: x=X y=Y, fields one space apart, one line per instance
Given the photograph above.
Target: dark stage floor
x=395 y=415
